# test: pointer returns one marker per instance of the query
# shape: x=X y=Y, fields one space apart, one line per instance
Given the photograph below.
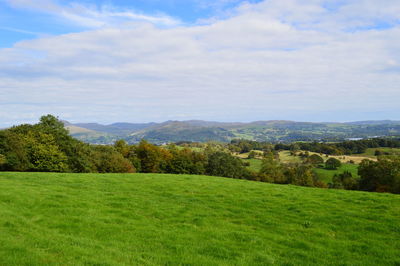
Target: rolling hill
x=154 y=219
x=197 y=130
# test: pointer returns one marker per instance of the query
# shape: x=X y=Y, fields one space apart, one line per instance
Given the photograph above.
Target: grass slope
x=152 y=219
x=327 y=175
x=255 y=164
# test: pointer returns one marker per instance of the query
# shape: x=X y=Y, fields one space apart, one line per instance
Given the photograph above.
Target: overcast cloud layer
x=309 y=60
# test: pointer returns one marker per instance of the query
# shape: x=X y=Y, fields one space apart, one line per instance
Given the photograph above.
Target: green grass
x=371 y=151
x=285 y=157
x=255 y=164
x=327 y=175
x=153 y=219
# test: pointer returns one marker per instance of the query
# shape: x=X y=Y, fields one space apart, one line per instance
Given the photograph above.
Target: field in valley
x=154 y=219
x=327 y=175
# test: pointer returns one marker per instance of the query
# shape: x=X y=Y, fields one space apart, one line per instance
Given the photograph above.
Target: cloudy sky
x=226 y=60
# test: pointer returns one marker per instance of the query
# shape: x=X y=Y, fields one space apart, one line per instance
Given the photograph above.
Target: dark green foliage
x=43 y=153
x=296 y=174
x=341 y=148
x=272 y=170
x=300 y=175
x=47 y=147
x=13 y=148
x=244 y=146
x=153 y=159
x=224 y=164
x=186 y=161
x=3 y=159
x=108 y=160
x=315 y=159
x=344 y=180
x=332 y=164
x=380 y=176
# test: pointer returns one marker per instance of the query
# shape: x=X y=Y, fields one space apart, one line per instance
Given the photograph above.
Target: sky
x=110 y=61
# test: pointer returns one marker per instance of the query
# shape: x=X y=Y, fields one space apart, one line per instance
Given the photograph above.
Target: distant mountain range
x=200 y=131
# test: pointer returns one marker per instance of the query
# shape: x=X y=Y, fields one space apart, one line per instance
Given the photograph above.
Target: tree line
x=342 y=148
x=48 y=147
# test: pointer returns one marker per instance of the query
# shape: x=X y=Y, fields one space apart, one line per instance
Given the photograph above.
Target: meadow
x=155 y=219
x=326 y=175
x=255 y=164
x=370 y=152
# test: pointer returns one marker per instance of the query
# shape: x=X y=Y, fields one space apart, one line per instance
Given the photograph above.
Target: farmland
x=327 y=175
x=154 y=219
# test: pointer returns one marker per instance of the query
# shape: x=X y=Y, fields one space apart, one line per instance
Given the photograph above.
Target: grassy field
x=153 y=219
x=285 y=157
x=255 y=164
x=371 y=151
x=327 y=175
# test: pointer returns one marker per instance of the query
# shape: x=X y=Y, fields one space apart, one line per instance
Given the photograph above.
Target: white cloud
x=265 y=62
x=92 y=16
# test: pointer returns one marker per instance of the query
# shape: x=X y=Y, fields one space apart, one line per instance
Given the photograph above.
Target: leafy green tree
x=380 y=176
x=344 y=180
x=44 y=153
x=300 y=175
x=271 y=170
x=3 y=159
x=108 y=160
x=152 y=158
x=224 y=164
x=122 y=147
x=186 y=161
x=315 y=159
x=79 y=154
x=332 y=164
x=13 y=147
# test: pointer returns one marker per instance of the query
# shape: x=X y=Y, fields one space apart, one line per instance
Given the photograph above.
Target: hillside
x=153 y=219
x=199 y=131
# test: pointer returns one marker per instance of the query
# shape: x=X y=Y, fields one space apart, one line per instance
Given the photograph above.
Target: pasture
x=327 y=175
x=155 y=219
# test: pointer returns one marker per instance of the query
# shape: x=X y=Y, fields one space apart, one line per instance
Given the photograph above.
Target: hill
x=199 y=131
x=153 y=219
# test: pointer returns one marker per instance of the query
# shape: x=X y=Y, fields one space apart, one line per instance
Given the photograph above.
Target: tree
x=272 y=170
x=252 y=155
x=186 y=161
x=152 y=158
x=344 y=180
x=300 y=175
x=13 y=147
x=224 y=164
x=44 y=153
x=380 y=176
x=294 y=148
x=108 y=160
x=122 y=147
x=332 y=164
x=315 y=159
x=3 y=159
